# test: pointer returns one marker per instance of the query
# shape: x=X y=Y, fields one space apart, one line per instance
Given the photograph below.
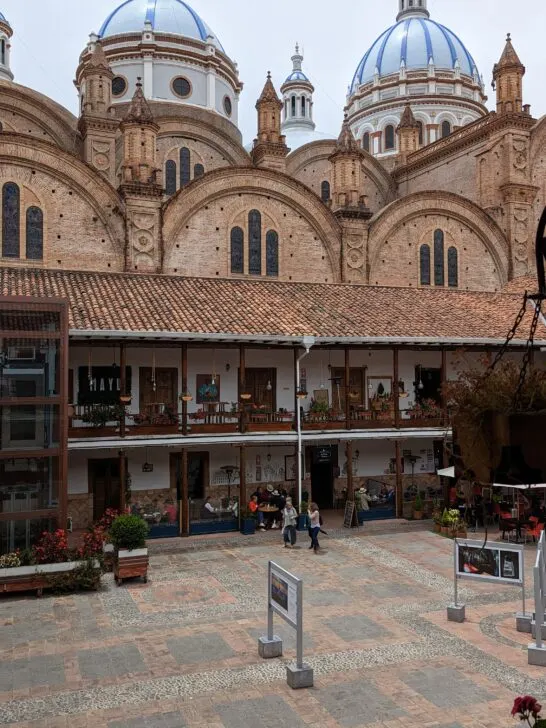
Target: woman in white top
x=314 y=529
x=289 y=520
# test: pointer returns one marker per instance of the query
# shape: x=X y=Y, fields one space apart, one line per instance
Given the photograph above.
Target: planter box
x=302 y=523
x=164 y=530
x=361 y=515
x=130 y=564
x=248 y=526
x=417 y=515
x=201 y=528
x=30 y=578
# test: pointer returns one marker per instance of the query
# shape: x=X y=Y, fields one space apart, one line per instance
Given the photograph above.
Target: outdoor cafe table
x=268 y=511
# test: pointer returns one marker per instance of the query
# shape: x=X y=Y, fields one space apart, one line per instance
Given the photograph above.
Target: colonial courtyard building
x=183 y=316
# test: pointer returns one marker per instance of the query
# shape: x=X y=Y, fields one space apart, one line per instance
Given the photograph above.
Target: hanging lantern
x=269 y=386
x=186 y=396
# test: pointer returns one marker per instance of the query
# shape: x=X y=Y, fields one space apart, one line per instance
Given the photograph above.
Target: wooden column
x=443 y=385
x=184 y=372
x=184 y=495
x=350 y=481
x=347 y=388
x=122 y=383
x=242 y=482
x=395 y=387
x=122 y=481
x=399 y=492
x=242 y=387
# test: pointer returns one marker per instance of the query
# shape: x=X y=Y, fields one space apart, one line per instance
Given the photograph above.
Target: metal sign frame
x=285 y=598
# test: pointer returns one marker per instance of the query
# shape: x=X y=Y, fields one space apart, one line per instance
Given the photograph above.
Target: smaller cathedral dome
x=165 y=16
x=3 y=19
x=297 y=76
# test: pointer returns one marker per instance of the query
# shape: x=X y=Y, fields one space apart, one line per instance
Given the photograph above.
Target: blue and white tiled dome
x=167 y=16
x=297 y=76
x=414 y=41
x=3 y=19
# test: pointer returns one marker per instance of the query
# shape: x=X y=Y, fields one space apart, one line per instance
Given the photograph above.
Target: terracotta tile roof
x=521 y=284
x=157 y=303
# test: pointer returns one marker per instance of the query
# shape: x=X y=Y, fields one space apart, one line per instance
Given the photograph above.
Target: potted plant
x=418 y=507
x=248 y=522
x=445 y=522
x=303 y=517
x=528 y=709
x=437 y=518
x=128 y=534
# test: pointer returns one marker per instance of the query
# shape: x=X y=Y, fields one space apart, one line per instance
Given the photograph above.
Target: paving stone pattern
x=181 y=651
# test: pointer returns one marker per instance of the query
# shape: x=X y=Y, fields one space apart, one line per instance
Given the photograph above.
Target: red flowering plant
x=528 y=709
x=52 y=548
x=106 y=521
x=92 y=542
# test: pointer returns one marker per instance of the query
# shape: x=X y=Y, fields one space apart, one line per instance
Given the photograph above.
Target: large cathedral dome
x=165 y=16
x=414 y=43
x=416 y=62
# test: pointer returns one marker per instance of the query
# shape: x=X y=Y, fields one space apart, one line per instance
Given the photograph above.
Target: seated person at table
x=539 y=510
x=208 y=510
x=261 y=495
x=171 y=511
x=253 y=508
x=277 y=500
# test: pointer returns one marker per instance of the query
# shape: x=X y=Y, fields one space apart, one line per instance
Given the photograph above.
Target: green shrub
x=129 y=532
x=418 y=503
x=85 y=577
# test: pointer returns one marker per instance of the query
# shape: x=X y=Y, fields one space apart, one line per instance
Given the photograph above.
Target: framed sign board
x=349 y=514
x=494 y=562
x=284 y=594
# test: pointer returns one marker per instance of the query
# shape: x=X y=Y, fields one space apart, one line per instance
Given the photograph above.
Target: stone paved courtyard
x=181 y=651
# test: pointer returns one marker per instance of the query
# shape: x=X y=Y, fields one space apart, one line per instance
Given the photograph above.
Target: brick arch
x=29 y=153
x=59 y=125
x=321 y=150
x=265 y=183
x=419 y=204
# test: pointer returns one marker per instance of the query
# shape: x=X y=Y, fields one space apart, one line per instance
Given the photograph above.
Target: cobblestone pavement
x=181 y=651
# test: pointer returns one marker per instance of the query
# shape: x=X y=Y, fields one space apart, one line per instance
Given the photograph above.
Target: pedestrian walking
x=314 y=516
x=289 y=520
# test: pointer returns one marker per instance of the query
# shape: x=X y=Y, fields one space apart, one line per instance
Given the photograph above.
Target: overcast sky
x=260 y=36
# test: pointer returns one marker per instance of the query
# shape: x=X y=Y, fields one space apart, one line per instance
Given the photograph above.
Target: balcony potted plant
x=303 y=517
x=128 y=534
x=418 y=507
x=437 y=518
x=318 y=411
x=248 y=522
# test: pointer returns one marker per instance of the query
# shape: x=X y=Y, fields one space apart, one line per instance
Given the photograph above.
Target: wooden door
x=356 y=387
x=166 y=387
x=104 y=484
x=257 y=381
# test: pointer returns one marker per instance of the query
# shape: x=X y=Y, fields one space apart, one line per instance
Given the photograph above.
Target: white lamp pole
x=308 y=342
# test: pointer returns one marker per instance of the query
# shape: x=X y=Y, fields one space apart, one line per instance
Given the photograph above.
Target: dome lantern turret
x=6 y=33
x=416 y=8
x=297 y=96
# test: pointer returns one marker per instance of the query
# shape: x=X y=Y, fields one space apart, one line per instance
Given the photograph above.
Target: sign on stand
x=349 y=515
x=285 y=598
x=489 y=562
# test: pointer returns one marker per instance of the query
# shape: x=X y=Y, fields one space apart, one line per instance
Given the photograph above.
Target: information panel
x=495 y=562
x=284 y=593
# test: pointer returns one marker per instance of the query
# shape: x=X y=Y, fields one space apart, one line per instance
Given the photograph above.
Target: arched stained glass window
x=439 y=275
x=35 y=234
x=325 y=191
x=366 y=142
x=446 y=128
x=10 y=220
x=452 y=268
x=272 y=253
x=198 y=171
x=293 y=106
x=424 y=264
x=389 y=137
x=421 y=133
x=303 y=105
x=254 y=243
x=170 y=177
x=185 y=167
x=237 y=253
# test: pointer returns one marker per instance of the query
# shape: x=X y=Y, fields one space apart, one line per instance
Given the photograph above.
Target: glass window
x=424 y=263
x=29 y=427
x=272 y=253
x=3 y=51
x=228 y=106
x=35 y=233
x=325 y=191
x=29 y=484
x=119 y=86
x=452 y=268
x=293 y=106
x=303 y=105
x=421 y=133
x=389 y=137
x=237 y=243
x=366 y=142
x=255 y=243
x=10 y=221
x=29 y=368
x=439 y=276
x=446 y=128
x=23 y=534
x=185 y=166
x=182 y=87
x=170 y=177
x=198 y=171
